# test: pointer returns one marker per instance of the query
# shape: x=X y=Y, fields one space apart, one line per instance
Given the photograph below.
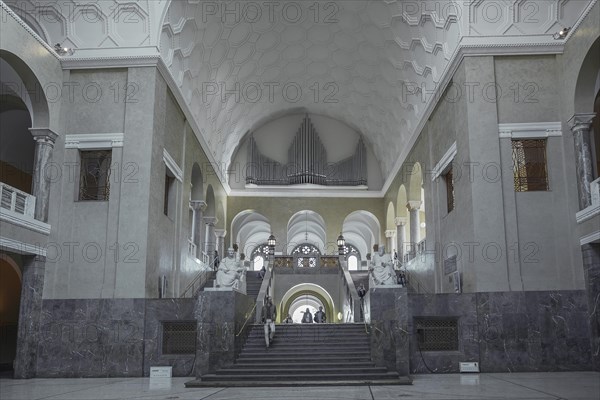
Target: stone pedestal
x=28 y=334
x=591 y=270
x=389 y=327
x=221 y=315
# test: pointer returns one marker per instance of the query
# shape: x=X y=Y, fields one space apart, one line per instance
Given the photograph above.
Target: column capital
x=414 y=205
x=400 y=221
x=581 y=121
x=43 y=135
x=198 y=205
x=211 y=220
x=390 y=233
x=220 y=233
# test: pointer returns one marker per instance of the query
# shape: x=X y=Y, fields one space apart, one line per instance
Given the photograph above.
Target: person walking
x=307 y=318
x=269 y=314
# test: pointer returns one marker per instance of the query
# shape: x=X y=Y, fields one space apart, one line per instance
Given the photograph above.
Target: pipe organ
x=306 y=163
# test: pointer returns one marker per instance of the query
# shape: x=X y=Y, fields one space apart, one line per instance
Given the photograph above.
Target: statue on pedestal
x=230 y=271
x=382 y=268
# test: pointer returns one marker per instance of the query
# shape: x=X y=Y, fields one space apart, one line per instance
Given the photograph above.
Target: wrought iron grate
x=94 y=181
x=449 y=178
x=437 y=334
x=179 y=337
x=529 y=165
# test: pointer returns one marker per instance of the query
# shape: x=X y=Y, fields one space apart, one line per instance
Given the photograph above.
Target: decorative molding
x=37 y=37
x=530 y=130
x=583 y=120
x=16 y=246
x=92 y=141
x=400 y=221
x=306 y=190
x=198 y=205
x=172 y=165
x=591 y=238
x=24 y=221
x=44 y=135
x=142 y=60
x=587 y=213
x=440 y=167
x=390 y=233
x=414 y=205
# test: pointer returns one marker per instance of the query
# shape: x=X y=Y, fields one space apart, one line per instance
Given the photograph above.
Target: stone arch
x=415 y=183
x=249 y=229
x=307 y=289
x=588 y=80
x=197 y=183
x=401 y=200
x=16 y=73
x=211 y=207
x=306 y=226
x=362 y=229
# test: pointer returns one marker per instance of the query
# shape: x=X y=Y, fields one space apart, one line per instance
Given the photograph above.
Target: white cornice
x=444 y=162
x=592 y=237
x=125 y=61
x=587 y=213
x=530 y=130
x=91 y=141
x=172 y=165
x=24 y=221
x=306 y=193
x=18 y=247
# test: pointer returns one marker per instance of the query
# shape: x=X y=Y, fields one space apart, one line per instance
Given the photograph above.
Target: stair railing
x=196 y=284
x=246 y=321
x=265 y=290
x=350 y=289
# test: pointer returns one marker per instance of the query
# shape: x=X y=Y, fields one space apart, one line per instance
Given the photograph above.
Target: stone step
x=316 y=369
x=402 y=380
x=304 y=377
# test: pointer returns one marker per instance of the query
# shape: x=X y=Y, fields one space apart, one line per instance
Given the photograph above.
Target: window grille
x=529 y=165
x=94 y=179
x=449 y=178
x=306 y=250
x=179 y=337
x=437 y=334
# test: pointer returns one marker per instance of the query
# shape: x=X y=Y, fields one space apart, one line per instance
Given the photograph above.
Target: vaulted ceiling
x=371 y=64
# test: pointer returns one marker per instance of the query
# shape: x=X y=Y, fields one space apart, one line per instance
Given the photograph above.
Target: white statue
x=230 y=271
x=382 y=268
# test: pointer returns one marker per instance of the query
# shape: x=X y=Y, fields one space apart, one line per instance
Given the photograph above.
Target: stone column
x=30 y=310
x=44 y=144
x=209 y=246
x=415 y=225
x=580 y=126
x=389 y=243
x=198 y=207
x=400 y=235
x=220 y=234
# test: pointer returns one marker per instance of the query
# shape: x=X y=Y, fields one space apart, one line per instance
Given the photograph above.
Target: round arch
x=249 y=229
x=16 y=71
x=588 y=80
x=362 y=229
x=415 y=183
x=197 y=193
x=307 y=289
x=401 y=200
x=210 y=202
x=306 y=226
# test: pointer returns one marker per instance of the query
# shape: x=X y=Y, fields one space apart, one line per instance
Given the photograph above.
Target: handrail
x=410 y=277
x=245 y=322
x=202 y=277
x=350 y=287
x=264 y=290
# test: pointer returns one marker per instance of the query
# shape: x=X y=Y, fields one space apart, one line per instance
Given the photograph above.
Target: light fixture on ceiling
x=63 y=51
x=561 y=34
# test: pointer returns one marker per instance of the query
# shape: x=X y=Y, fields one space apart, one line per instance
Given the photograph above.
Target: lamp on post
x=341 y=242
x=271 y=242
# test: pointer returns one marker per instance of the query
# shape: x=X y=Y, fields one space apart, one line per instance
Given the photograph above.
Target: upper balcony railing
x=16 y=200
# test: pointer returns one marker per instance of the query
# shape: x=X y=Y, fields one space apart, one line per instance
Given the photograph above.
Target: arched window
x=352 y=263
x=353 y=257
x=306 y=249
x=258 y=256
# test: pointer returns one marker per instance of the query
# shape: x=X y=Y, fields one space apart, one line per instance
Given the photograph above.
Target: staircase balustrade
x=16 y=200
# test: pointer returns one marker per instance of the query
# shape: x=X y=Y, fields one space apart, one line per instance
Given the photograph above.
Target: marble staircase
x=304 y=354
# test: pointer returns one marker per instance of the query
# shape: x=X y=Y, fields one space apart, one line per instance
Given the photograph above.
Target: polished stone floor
x=522 y=386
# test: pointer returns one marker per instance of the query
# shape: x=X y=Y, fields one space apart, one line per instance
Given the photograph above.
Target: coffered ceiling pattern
x=369 y=64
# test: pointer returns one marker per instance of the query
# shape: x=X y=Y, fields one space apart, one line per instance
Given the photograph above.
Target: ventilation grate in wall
x=179 y=337
x=437 y=334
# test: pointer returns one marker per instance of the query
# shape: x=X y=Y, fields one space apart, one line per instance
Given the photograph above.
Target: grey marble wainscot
x=157 y=312
x=91 y=338
x=463 y=307
x=534 y=331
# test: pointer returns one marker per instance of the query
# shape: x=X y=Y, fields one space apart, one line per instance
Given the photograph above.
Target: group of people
x=319 y=318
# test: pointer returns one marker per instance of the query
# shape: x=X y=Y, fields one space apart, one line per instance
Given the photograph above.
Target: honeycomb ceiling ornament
x=237 y=63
